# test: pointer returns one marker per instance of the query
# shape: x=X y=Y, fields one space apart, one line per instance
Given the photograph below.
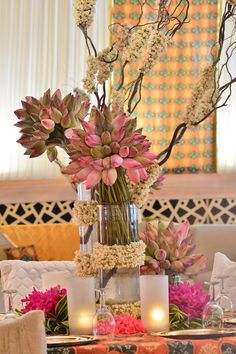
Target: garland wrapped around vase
x=107 y=151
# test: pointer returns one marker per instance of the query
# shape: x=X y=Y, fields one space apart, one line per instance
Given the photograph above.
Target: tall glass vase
x=118 y=225
x=88 y=233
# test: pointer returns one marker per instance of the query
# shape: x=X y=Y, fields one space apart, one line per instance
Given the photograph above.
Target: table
x=151 y=344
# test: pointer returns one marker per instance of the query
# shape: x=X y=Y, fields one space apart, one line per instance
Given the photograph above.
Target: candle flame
x=157 y=315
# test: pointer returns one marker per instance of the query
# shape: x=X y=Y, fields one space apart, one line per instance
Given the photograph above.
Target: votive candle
x=81 y=304
x=154 y=302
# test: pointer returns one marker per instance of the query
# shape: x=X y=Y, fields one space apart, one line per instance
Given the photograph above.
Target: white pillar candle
x=154 y=302
x=81 y=304
x=52 y=279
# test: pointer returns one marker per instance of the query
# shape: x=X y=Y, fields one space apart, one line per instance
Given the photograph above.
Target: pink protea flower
x=169 y=248
x=190 y=299
x=127 y=324
x=45 y=301
x=108 y=143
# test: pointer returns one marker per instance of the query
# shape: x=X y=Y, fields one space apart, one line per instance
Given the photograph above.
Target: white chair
x=24 y=335
x=213 y=238
x=24 y=276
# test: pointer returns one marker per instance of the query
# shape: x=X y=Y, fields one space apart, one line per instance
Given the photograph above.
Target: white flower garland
x=85 y=212
x=109 y=257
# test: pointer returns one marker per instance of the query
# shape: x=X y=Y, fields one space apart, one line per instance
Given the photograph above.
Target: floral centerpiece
x=169 y=250
x=53 y=302
x=107 y=151
x=186 y=306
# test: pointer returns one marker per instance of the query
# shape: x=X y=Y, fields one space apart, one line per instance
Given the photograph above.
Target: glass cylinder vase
x=118 y=225
x=88 y=233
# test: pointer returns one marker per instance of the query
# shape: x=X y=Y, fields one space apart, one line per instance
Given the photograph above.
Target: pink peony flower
x=127 y=324
x=45 y=301
x=190 y=299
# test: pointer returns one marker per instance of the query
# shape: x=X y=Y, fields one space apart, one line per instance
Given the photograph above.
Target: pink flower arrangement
x=45 y=301
x=190 y=299
x=127 y=324
x=43 y=122
x=170 y=249
x=102 y=147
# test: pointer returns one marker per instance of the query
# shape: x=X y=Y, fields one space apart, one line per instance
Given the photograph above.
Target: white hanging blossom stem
x=156 y=45
x=204 y=97
x=83 y=11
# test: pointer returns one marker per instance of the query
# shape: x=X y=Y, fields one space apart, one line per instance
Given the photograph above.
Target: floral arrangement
x=106 y=148
x=168 y=249
x=190 y=299
x=54 y=304
x=186 y=305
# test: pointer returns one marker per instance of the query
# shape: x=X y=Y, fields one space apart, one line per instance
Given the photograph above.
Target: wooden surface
x=174 y=187
x=43 y=190
x=197 y=186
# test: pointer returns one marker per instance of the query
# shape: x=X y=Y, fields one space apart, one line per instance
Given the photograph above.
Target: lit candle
x=154 y=302
x=81 y=304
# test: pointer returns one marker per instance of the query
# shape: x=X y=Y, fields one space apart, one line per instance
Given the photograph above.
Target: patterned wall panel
x=196 y=211
x=35 y=213
x=167 y=87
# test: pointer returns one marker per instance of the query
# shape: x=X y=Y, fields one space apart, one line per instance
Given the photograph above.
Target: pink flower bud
x=119 y=121
x=115 y=147
x=106 y=150
x=106 y=138
x=133 y=151
x=92 y=140
x=116 y=161
x=124 y=151
x=56 y=115
x=160 y=255
x=88 y=127
x=177 y=266
x=48 y=123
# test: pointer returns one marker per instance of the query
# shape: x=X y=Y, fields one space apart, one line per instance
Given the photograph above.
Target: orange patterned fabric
x=52 y=242
x=150 y=344
x=167 y=88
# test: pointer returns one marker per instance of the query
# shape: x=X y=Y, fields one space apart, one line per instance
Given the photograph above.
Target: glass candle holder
x=154 y=302
x=81 y=304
